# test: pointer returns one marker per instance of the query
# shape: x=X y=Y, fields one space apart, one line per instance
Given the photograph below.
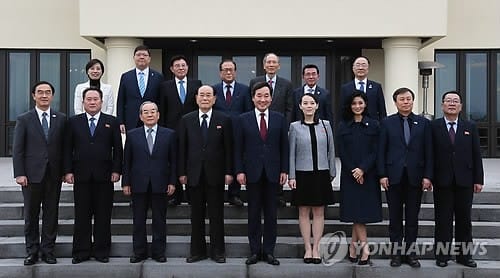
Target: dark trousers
x=92 y=199
x=140 y=205
x=234 y=189
x=449 y=201
x=403 y=197
x=262 y=197
x=207 y=196
x=45 y=193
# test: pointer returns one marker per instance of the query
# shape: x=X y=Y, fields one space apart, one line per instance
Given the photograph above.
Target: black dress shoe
x=49 y=258
x=173 y=203
x=77 y=260
x=270 y=259
x=395 y=261
x=235 y=201
x=352 y=260
x=308 y=260
x=220 y=259
x=102 y=259
x=412 y=261
x=467 y=262
x=441 y=263
x=137 y=259
x=281 y=202
x=31 y=259
x=316 y=260
x=160 y=259
x=195 y=258
x=364 y=262
x=253 y=259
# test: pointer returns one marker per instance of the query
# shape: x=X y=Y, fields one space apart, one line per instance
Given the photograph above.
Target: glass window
x=50 y=70
x=446 y=79
x=285 y=70
x=208 y=69
x=19 y=84
x=498 y=87
x=77 y=74
x=246 y=68
x=320 y=62
x=476 y=86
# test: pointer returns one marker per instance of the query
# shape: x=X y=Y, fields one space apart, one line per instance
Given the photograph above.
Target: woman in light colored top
x=95 y=70
x=312 y=168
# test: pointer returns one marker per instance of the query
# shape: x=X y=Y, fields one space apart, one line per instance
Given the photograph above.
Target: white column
x=120 y=53
x=401 y=69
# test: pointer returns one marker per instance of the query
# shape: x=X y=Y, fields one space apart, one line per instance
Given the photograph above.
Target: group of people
x=180 y=133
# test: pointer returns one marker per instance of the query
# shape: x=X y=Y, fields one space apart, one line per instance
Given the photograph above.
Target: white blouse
x=108 y=101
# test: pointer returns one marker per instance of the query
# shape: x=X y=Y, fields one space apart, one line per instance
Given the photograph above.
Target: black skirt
x=313 y=188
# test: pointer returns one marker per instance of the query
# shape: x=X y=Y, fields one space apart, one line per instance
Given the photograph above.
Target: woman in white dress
x=95 y=70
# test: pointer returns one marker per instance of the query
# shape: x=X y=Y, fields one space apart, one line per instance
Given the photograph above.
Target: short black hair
x=347 y=113
x=400 y=91
x=140 y=48
x=310 y=66
x=33 y=89
x=451 y=92
x=177 y=58
x=227 y=60
x=260 y=85
x=84 y=93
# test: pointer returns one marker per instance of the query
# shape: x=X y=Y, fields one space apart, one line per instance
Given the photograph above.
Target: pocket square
x=107 y=126
x=466 y=133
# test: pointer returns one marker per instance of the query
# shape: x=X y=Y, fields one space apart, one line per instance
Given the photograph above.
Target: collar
x=306 y=88
x=96 y=116
x=273 y=79
x=209 y=114
x=146 y=71
x=224 y=84
x=40 y=112
x=364 y=80
x=446 y=121
x=257 y=113
x=155 y=128
x=184 y=79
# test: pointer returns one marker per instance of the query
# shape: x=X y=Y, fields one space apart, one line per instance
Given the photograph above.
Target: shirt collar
x=364 y=80
x=146 y=71
x=155 y=128
x=448 y=121
x=273 y=79
x=257 y=113
x=209 y=114
x=184 y=79
x=96 y=116
x=224 y=84
x=40 y=112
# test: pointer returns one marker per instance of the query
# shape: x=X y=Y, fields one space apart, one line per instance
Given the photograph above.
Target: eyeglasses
x=227 y=70
x=360 y=66
x=450 y=101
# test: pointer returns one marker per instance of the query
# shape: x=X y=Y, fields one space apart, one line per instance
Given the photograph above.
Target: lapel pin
x=416 y=123
x=219 y=127
x=53 y=115
x=366 y=124
x=370 y=86
x=466 y=133
x=107 y=125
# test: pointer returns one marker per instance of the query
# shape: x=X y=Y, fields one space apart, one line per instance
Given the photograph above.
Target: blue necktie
x=45 y=125
x=92 y=126
x=204 y=127
x=361 y=86
x=142 y=84
x=182 y=91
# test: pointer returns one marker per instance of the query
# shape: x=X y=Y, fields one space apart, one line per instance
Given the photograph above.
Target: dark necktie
x=270 y=83
x=451 y=132
x=92 y=126
x=310 y=91
x=228 y=94
x=263 y=127
x=406 y=130
x=45 y=125
x=182 y=91
x=204 y=127
x=362 y=86
x=149 y=139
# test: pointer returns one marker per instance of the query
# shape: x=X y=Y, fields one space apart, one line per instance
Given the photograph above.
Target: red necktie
x=263 y=127
x=228 y=94
x=270 y=83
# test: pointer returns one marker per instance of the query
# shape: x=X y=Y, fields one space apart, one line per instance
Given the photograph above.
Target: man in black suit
x=149 y=174
x=177 y=98
x=458 y=174
x=205 y=165
x=93 y=162
x=232 y=98
x=282 y=99
x=136 y=86
x=37 y=161
x=373 y=90
x=405 y=168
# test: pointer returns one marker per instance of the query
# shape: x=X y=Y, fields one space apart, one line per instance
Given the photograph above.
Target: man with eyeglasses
x=458 y=174
x=373 y=90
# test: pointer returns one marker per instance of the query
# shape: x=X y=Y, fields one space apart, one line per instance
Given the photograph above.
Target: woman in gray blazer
x=312 y=168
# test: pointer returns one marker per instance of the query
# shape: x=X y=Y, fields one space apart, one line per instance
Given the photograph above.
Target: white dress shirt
x=209 y=114
x=266 y=117
x=146 y=76
x=40 y=112
x=153 y=132
x=356 y=82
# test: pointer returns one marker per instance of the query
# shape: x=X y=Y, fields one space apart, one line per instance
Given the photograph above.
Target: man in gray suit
x=37 y=160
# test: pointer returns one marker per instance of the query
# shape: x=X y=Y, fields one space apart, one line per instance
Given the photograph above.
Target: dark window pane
x=319 y=61
x=77 y=74
x=497 y=89
x=476 y=86
x=483 y=140
x=19 y=84
x=50 y=70
x=208 y=69
x=285 y=67
x=446 y=79
x=246 y=68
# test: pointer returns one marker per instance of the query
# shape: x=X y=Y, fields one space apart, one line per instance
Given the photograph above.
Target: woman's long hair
x=348 y=115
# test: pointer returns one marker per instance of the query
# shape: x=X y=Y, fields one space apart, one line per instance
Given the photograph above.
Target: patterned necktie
x=451 y=132
x=45 y=125
x=204 y=127
x=92 y=126
x=182 y=91
x=149 y=139
x=310 y=90
x=361 y=86
x=406 y=130
x=228 y=94
x=142 y=84
x=263 y=127
x=270 y=83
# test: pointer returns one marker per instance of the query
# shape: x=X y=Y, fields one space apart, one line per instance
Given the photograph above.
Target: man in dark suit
x=310 y=75
x=37 y=161
x=205 y=165
x=177 y=98
x=136 y=86
x=282 y=99
x=458 y=174
x=405 y=168
x=373 y=90
x=93 y=162
x=261 y=162
x=149 y=174
x=232 y=98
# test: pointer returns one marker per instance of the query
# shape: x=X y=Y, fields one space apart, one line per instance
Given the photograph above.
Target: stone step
x=12 y=211
x=235 y=267
x=238 y=227
x=237 y=247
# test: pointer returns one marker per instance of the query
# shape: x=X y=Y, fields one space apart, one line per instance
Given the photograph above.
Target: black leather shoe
x=173 y=203
x=235 y=201
x=441 y=263
x=77 y=260
x=467 y=262
x=137 y=259
x=281 y=202
x=102 y=259
x=253 y=259
x=160 y=259
x=195 y=258
x=395 y=261
x=316 y=260
x=220 y=259
x=270 y=259
x=49 y=258
x=352 y=260
x=412 y=261
x=308 y=260
x=31 y=259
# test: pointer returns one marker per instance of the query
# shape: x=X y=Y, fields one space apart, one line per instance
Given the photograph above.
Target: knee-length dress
x=357 y=146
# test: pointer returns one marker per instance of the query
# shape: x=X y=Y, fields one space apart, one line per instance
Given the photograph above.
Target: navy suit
x=91 y=160
x=405 y=166
x=130 y=99
x=262 y=162
x=148 y=175
x=325 y=104
x=283 y=99
x=241 y=102
x=376 y=101
x=457 y=167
